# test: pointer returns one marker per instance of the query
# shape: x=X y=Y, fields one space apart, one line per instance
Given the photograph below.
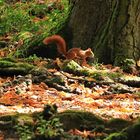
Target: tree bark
x=110 y=28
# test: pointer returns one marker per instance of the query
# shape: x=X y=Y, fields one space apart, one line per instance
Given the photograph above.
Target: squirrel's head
x=89 y=52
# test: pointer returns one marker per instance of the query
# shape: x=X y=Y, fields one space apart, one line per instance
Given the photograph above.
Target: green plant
x=32 y=58
x=14 y=19
x=25 y=132
x=1 y=2
x=36 y=20
x=49 y=129
x=40 y=125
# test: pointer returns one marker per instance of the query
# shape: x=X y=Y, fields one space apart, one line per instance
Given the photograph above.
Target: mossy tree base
x=111 y=28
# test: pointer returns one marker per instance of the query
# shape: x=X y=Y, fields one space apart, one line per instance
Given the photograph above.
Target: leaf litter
x=19 y=94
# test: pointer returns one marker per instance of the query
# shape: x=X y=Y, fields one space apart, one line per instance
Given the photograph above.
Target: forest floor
x=104 y=97
x=103 y=90
x=29 y=83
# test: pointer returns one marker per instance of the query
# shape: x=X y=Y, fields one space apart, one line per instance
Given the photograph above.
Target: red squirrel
x=70 y=54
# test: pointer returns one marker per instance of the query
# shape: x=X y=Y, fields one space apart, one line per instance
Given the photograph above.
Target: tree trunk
x=110 y=27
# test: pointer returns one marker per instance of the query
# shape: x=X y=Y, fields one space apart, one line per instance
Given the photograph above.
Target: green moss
x=7 y=121
x=25 y=65
x=128 y=65
x=133 y=131
x=24 y=35
x=118 y=124
x=5 y=64
x=117 y=136
x=55 y=80
x=10 y=59
x=7 y=117
x=106 y=76
x=24 y=119
x=9 y=66
x=88 y=72
x=71 y=66
x=114 y=75
x=79 y=119
x=32 y=58
x=130 y=130
x=17 y=20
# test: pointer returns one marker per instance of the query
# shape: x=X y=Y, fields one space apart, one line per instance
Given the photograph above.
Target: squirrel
x=73 y=53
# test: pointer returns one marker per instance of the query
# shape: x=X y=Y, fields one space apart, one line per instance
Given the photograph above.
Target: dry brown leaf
x=10 y=98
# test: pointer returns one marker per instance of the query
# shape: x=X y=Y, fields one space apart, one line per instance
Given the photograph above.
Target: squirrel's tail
x=59 y=41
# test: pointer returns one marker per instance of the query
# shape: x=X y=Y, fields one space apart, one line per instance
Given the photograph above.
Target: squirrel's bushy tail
x=59 y=41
